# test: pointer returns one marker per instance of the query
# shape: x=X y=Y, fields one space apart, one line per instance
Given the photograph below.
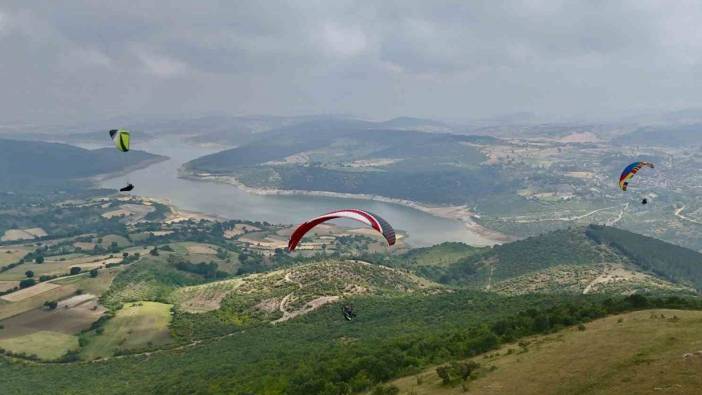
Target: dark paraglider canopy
x=644 y=201
x=128 y=188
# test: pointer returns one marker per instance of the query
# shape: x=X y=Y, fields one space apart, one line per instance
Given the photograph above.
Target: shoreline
x=129 y=169
x=178 y=214
x=462 y=214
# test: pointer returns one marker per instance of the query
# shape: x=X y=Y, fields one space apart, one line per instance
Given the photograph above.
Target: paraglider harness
x=347 y=310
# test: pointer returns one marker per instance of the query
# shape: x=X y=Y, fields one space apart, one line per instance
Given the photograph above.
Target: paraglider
x=121 y=139
x=644 y=201
x=629 y=173
x=365 y=217
x=347 y=311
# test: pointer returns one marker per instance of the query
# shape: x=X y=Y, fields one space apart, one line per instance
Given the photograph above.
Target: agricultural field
x=7 y=285
x=641 y=352
x=12 y=254
x=23 y=234
x=135 y=326
x=32 y=298
x=57 y=265
x=50 y=333
x=43 y=344
x=93 y=285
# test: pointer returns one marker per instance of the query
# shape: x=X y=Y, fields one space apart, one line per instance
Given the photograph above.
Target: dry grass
x=201 y=249
x=54 y=265
x=5 y=285
x=634 y=353
x=23 y=234
x=30 y=292
x=70 y=317
x=10 y=309
x=12 y=254
x=134 y=212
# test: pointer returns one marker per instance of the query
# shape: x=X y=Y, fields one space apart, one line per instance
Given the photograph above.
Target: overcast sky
x=72 y=60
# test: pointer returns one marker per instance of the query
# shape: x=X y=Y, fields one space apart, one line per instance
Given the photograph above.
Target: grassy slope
x=94 y=285
x=46 y=345
x=638 y=355
x=268 y=355
x=134 y=326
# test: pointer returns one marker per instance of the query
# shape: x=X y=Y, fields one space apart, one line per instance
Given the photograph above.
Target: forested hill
x=666 y=260
x=361 y=157
x=27 y=164
x=574 y=254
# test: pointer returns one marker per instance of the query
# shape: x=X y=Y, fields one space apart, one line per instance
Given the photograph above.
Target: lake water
x=161 y=181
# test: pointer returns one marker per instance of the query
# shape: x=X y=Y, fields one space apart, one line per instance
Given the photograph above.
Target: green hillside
x=322 y=353
x=594 y=255
x=666 y=260
x=32 y=165
x=360 y=157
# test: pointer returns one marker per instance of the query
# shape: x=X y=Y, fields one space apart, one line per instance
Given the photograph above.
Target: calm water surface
x=161 y=181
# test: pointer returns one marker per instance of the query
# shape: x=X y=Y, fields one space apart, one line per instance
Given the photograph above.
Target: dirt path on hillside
x=611 y=222
x=562 y=219
x=678 y=213
x=284 y=302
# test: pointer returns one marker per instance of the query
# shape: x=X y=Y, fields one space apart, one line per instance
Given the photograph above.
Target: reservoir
x=161 y=181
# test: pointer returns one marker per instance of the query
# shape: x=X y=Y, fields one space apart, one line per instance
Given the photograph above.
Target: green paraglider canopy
x=120 y=138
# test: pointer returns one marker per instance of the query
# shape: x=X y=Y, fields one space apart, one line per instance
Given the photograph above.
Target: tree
x=154 y=252
x=26 y=283
x=39 y=259
x=114 y=247
x=75 y=270
x=443 y=372
x=94 y=273
x=125 y=254
x=51 y=305
x=29 y=274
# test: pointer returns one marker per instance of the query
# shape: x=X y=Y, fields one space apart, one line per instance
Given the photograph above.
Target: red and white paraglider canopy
x=365 y=217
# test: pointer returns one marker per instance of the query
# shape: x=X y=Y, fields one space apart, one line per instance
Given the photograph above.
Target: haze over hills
x=222 y=305
x=468 y=156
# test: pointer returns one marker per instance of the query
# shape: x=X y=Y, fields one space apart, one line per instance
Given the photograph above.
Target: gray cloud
x=84 y=59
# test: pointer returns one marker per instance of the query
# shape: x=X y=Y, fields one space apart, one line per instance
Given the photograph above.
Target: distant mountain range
x=664 y=135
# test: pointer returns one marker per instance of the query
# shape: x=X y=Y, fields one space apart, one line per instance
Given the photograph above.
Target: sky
x=76 y=60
